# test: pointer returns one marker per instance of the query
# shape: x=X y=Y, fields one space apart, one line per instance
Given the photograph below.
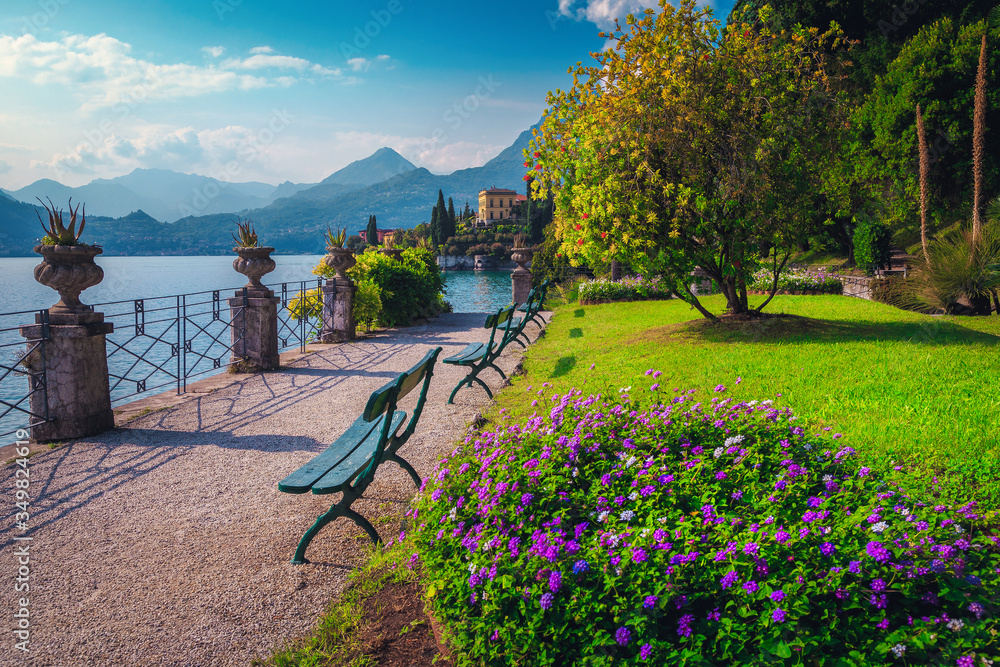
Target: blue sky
x=249 y=90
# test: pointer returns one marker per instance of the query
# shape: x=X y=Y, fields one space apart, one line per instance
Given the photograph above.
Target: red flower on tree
x=604 y=235
x=538 y=167
x=586 y=215
x=580 y=242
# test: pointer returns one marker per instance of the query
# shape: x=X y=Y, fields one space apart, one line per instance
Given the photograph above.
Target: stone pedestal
x=338 y=311
x=74 y=363
x=255 y=330
x=521 y=283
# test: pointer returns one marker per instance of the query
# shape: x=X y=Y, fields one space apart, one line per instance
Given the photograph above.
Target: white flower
x=472 y=568
x=576 y=472
x=618 y=571
x=959 y=529
x=633 y=495
x=767 y=402
x=752 y=403
x=630 y=461
x=807 y=447
x=663 y=519
x=904 y=512
x=827 y=479
x=622 y=390
x=718 y=451
x=602 y=517
x=956 y=624
x=898 y=650
x=734 y=440
x=880 y=526
x=627 y=515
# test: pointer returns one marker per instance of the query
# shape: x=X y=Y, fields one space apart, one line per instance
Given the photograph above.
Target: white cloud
x=4 y=167
x=214 y=51
x=603 y=12
x=261 y=61
x=360 y=64
x=101 y=72
x=261 y=50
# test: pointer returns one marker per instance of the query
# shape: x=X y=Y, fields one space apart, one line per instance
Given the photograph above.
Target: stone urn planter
x=340 y=260
x=69 y=269
x=521 y=256
x=254 y=263
x=394 y=253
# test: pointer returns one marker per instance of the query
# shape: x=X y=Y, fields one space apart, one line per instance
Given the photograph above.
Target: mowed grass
x=904 y=389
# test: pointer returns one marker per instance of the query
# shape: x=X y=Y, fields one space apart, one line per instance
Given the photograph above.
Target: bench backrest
x=384 y=400
x=499 y=320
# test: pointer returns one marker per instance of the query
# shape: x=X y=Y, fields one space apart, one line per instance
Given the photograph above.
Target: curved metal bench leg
x=405 y=466
x=337 y=510
x=451 y=399
x=485 y=386
x=497 y=369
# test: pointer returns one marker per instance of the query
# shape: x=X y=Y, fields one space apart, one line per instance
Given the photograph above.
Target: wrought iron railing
x=158 y=344
x=18 y=383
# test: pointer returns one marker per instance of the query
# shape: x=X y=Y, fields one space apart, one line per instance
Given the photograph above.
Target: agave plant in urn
x=338 y=258
x=254 y=260
x=68 y=265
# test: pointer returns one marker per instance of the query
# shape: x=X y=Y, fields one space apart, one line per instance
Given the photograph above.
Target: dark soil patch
x=398 y=632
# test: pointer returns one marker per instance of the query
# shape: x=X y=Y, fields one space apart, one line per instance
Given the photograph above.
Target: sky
x=251 y=90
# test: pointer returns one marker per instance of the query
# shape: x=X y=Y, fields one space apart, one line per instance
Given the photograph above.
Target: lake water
x=204 y=333
x=147 y=277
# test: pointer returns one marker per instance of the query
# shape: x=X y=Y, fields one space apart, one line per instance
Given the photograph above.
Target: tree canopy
x=681 y=147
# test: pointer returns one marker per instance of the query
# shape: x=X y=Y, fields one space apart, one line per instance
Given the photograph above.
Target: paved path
x=166 y=541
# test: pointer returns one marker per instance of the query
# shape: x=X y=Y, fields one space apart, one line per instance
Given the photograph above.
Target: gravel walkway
x=166 y=541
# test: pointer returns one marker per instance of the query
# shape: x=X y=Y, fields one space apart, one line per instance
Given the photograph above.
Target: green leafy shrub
x=797 y=280
x=368 y=303
x=872 y=246
x=629 y=288
x=613 y=531
x=407 y=288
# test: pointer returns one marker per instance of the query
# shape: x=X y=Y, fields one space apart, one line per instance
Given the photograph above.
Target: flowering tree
x=682 y=147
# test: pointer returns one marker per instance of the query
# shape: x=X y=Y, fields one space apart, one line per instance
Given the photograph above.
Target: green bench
x=478 y=356
x=348 y=465
x=531 y=309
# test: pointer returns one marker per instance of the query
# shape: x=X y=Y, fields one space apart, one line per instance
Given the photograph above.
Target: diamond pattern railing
x=18 y=384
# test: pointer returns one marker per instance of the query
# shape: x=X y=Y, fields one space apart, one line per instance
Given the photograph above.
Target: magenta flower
x=778 y=615
x=645 y=651
x=623 y=635
x=546 y=601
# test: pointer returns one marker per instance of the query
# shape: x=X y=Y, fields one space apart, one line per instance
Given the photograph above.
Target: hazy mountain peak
x=380 y=166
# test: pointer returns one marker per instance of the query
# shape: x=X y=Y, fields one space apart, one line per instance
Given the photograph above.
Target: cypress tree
x=435 y=228
x=371 y=236
x=452 y=224
x=442 y=218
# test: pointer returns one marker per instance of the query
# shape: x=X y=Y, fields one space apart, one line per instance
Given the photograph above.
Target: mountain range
x=126 y=214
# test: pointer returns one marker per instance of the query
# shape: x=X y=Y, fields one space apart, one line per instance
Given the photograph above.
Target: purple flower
x=650 y=601
x=878 y=585
x=782 y=536
x=729 y=579
x=877 y=551
x=645 y=651
x=546 y=600
x=864 y=472
x=714 y=615
x=580 y=566
x=623 y=635
x=977 y=609
x=750 y=587
x=720 y=388
x=828 y=549
x=684 y=625
x=855 y=567
x=555 y=581
x=778 y=595
x=778 y=615
x=966 y=661
x=751 y=549
x=883 y=624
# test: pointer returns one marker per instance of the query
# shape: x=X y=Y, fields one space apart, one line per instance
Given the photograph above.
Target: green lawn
x=904 y=389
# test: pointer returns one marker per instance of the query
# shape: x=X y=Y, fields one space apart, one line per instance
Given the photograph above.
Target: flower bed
x=629 y=288
x=621 y=531
x=796 y=281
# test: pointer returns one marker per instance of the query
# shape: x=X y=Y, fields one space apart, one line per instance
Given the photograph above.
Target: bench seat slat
x=357 y=460
x=302 y=479
x=470 y=354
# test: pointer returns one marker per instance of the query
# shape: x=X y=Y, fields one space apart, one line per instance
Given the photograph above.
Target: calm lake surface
x=147 y=277
x=129 y=278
